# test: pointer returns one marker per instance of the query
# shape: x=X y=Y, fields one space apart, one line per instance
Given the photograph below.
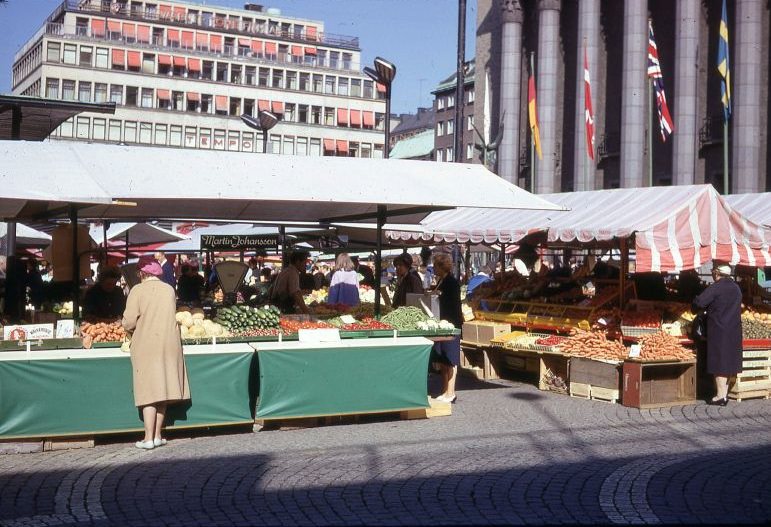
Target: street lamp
x=384 y=73
x=264 y=122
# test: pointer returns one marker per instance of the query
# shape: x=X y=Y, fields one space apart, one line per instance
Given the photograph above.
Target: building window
x=275 y=144
x=250 y=75
x=222 y=72
x=305 y=81
x=70 y=53
x=114 y=130
x=289 y=146
x=289 y=114
x=439 y=154
x=207 y=71
x=65 y=130
x=219 y=139
x=145 y=133
x=84 y=92
x=379 y=121
x=264 y=75
x=116 y=93
x=98 y=132
x=53 y=51
x=235 y=74
x=439 y=129
x=278 y=78
x=318 y=83
x=68 y=90
x=52 y=88
x=342 y=86
x=450 y=127
x=347 y=61
x=86 y=55
x=147 y=98
x=82 y=129
x=329 y=116
x=378 y=152
x=368 y=90
x=302 y=113
x=302 y=146
x=100 y=92
x=130 y=132
x=469 y=151
x=316 y=115
x=132 y=96
x=204 y=138
x=355 y=88
x=440 y=103
x=148 y=63
x=191 y=135
x=450 y=101
x=329 y=85
x=102 y=58
x=315 y=149
x=207 y=105
x=175 y=135
x=470 y=122
x=449 y=154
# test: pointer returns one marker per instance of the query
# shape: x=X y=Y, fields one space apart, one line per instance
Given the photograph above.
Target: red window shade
x=216 y=43
x=129 y=30
x=368 y=118
x=202 y=40
x=165 y=11
x=310 y=33
x=270 y=48
x=194 y=64
x=355 y=117
x=172 y=35
x=164 y=60
x=113 y=26
x=134 y=59
x=193 y=96
x=221 y=103
x=179 y=12
x=297 y=51
x=179 y=62
x=97 y=27
x=262 y=104
x=143 y=34
x=164 y=95
x=278 y=107
x=244 y=42
x=257 y=46
x=329 y=145
x=310 y=51
x=342 y=117
x=187 y=39
x=119 y=57
x=381 y=87
x=342 y=146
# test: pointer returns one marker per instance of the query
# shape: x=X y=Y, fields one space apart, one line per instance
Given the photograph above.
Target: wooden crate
x=600 y=374
x=556 y=364
x=597 y=393
x=482 y=332
x=755 y=378
x=476 y=360
x=658 y=384
x=510 y=363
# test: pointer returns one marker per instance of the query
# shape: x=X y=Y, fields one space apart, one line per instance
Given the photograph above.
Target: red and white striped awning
x=755 y=207
x=673 y=228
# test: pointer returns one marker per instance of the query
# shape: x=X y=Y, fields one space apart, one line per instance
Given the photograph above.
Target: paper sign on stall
x=319 y=335
x=28 y=332
x=65 y=328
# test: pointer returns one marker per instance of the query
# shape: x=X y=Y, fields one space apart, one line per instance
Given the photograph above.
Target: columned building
x=182 y=73
x=556 y=34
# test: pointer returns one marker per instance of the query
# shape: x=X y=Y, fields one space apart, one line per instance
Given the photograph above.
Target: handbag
x=699 y=327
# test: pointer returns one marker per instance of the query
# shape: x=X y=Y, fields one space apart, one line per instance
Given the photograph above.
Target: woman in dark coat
x=449 y=309
x=723 y=302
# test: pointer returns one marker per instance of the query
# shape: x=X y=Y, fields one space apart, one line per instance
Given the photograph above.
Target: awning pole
x=13 y=284
x=127 y=246
x=502 y=258
x=624 y=247
x=381 y=218
x=282 y=241
x=75 y=263
x=104 y=242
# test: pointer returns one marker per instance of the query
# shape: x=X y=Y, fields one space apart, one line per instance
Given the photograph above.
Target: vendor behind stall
x=286 y=293
x=407 y=280
x=105 y=299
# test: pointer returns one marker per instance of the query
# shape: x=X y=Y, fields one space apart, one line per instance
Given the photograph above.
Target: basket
x=635 y=331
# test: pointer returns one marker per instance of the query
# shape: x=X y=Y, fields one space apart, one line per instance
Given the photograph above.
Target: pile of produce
x=642 y=319
x=367 y=310
x=64 y=309
x=432 y=325
x=753 y=329
x=661 y=346
x=522 y=341
x=550 y=341
x=103 y=331
x=330 y=310
x=405 y=318
x=764 y=318
x=289 y=325
x=554 y=382
x=593 y=345
x=193 y=325
x=244 y=320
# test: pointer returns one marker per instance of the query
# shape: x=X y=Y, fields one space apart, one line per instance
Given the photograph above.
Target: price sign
x=635 y=350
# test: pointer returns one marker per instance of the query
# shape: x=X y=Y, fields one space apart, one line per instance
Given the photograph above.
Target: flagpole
x=532 y=137
x=586 y=137
x=726 y=190
x=649 y=92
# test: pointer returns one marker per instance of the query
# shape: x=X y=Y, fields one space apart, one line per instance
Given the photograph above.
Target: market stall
x=255 y=188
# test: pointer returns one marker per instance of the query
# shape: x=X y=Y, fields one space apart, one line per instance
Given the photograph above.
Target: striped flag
x=723 y=66
x=533 y=114
x=654 y=73
x=589 y=114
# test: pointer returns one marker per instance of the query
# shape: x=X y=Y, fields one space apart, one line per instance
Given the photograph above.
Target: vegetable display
x=661 y=346
x=593 y=345
x=103 y=331
x=754 y=329
x=240 y=320
x=405 y=318
x=193 y=325
x=642 y=319
x=293 y=326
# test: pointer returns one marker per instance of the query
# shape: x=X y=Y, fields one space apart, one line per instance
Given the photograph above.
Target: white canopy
x=192 y=243
x=756 y=207
x=193 y=184
x=26 y=236
x=138 y=233
x=674 y=228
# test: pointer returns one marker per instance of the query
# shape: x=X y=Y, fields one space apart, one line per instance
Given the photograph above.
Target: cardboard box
x=481 y=332
x=429 y=300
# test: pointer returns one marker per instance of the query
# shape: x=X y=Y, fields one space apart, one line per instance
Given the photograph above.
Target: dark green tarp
x=343 y=380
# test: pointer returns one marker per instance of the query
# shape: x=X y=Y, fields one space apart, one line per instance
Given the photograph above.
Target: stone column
x=685 y=136
x=511 y=71
x=547 y=86
x=633 y=92
x=746 y=47
x=589 y=36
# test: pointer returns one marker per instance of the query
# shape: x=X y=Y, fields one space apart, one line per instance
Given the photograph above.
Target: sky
x=418 y=36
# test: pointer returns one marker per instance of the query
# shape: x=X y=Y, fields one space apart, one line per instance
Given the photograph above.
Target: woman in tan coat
x=157 y=363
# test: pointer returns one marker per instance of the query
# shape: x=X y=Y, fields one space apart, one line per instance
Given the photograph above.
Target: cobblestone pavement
x=509 y=455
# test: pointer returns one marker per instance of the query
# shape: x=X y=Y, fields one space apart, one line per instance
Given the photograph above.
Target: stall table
x=658 y=384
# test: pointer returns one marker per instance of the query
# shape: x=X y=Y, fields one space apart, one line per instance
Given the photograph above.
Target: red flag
x=588 y=108
x=654 y=73
x=533 y=115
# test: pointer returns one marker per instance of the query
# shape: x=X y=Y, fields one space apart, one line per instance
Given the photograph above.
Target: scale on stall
x=231 y=277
